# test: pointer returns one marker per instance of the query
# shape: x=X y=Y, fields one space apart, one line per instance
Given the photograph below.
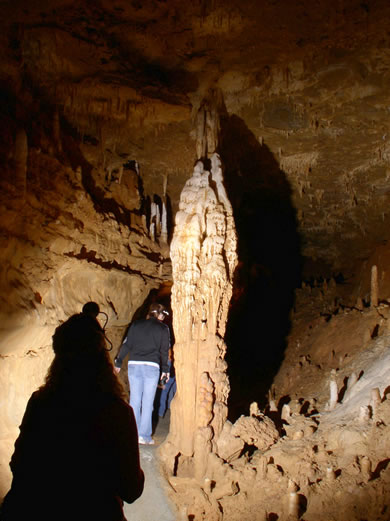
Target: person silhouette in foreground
x=77 y=455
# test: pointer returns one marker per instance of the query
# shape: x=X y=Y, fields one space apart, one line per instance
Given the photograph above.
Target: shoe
x=142 y=441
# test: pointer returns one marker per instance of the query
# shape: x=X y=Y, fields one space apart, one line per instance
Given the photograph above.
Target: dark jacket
x=74 y=460
x=147 y=341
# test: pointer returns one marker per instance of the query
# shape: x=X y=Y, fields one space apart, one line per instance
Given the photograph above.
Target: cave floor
x=154 y=502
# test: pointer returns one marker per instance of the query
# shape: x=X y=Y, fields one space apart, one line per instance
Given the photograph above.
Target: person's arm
x=123 y=351
x=164 y=351
x=124 y=441
x=20 y=443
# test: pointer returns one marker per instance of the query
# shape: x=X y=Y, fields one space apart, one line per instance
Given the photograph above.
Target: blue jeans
x=166 y=396
x=143 y=380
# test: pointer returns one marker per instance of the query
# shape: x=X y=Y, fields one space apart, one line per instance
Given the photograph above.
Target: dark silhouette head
x=81 y=362
x=78 y=337
x=91 y=308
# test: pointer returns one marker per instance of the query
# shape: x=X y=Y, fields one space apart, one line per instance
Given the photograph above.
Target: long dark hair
x=81 y=363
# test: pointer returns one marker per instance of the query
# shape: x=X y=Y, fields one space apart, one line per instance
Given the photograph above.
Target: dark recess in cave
x=269 y=267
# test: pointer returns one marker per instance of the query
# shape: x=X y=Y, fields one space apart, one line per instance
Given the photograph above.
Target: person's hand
x=166 y=375
x=116 y=369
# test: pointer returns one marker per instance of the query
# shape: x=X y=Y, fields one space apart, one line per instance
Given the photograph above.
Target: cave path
x=154 y=503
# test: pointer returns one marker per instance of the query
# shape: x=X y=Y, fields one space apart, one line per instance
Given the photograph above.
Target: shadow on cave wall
x=269 y=264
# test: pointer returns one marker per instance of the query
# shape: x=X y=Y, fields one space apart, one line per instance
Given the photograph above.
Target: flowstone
x=203 y=253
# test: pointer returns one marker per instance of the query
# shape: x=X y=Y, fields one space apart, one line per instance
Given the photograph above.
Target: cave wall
x=308 y=82
x=68 y=236
x=100 y=102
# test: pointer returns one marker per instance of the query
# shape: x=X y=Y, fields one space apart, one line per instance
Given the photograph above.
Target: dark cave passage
x=269 y=266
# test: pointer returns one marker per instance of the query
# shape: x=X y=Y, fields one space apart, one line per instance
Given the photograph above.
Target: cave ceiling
x=309 y=80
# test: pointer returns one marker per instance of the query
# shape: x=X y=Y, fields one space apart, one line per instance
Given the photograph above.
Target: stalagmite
x=120 y=174
x=203 y=253
x=254 y=409
x=333 y=391
x=286 y=412
x=364 y=414
x=350 y=383
x=365 y=466
x=293 y=502
x=330 y=474
x=374 y=286
x=359 y=304
x=375 y=400
x=352 y=380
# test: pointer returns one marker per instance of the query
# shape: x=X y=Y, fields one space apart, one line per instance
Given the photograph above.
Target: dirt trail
x=154 y=503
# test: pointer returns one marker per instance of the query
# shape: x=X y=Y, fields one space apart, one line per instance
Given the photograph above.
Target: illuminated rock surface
x=106 y=108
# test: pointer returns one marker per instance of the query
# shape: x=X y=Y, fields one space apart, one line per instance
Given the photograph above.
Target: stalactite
x=165 y=183
x=153 y=215
x=158 y=221
x=164 y=223
x=20 y=161
x=374 y=286
x=152 y=231
x=207 y=125
x=120 y=174
x=144 y=224
x=57 y=131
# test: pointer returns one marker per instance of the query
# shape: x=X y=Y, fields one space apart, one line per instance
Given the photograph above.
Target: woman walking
x=147 y=344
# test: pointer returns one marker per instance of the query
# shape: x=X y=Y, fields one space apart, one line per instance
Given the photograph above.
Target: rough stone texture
x=258 y=431
x=66 y=238
x=203 y=253
x=310 y=83
x=333 y=463
x=106 y=106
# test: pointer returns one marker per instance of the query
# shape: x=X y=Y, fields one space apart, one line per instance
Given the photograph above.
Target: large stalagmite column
x=203 y=253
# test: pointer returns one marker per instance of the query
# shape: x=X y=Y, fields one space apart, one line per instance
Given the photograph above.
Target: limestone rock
x=229 y=447
x=203 y=253
x=260 y=432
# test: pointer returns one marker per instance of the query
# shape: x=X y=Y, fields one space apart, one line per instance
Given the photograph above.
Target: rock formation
x=106 y=106
x=203 y=254
x=66 y=238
